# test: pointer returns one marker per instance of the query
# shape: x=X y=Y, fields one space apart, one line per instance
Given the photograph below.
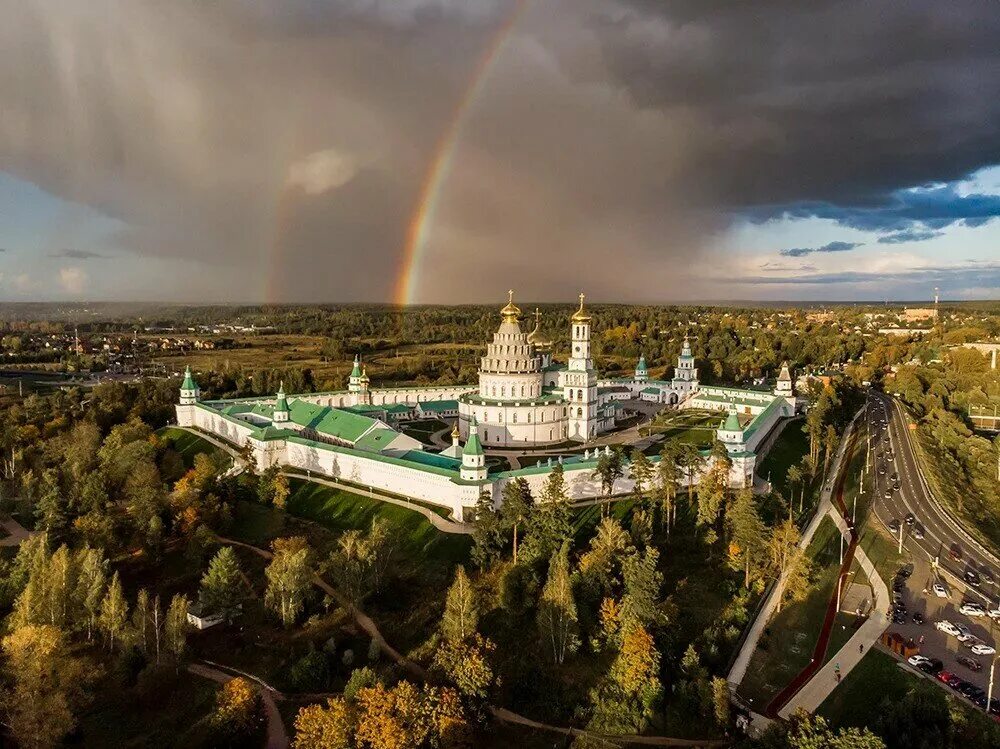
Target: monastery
x=524 y=402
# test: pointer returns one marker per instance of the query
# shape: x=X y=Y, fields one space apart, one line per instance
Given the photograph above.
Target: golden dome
x=364 y=374
x=533 y=335
x=455 y=434
x=511 y=312
x=580 y=315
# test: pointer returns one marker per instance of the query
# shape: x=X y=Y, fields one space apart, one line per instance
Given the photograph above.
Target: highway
x=941 y=533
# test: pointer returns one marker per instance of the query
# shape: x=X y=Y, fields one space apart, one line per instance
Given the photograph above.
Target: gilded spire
x=511 y=312
x=455 y=434
x=580 y=315
x=534 y=334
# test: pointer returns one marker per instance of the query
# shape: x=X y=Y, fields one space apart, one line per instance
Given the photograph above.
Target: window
x=579 y=413
x=522 y=390
x=579 y=395
x=515 y=417
x=529 y=417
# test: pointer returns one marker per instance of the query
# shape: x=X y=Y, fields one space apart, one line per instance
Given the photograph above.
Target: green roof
x=472 y=445
x=651 y=391
x=376 y=440
x=334 y=422
x=282 y=403
x=754 y=425
x=732 y=423
x=418 y=464
x=641 y=367
x=189 y=383
x=438 y=406
x=356 y=372
x=432 y=459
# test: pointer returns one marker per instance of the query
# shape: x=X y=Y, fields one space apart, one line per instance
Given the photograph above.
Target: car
x=987 y=575
x=993 y=613
x=947 y=627
x=995 y=706
x=898 y=585
x=970 y=663
x=972 y=608
x=955 y=682
x=895 y=487
x=979 y=699
x=918 y=532
x=955 y=553
x=916 y=660
x=909 y=519
x=899 y=618
x=894 y=524
x=888 y=493
x=972 y=578
x=881 y=470
x=905 y=571
x=939 y=590
x=894 y=477
x=964 y=633
x=918 y=618
x=944 y=676
x=983 y=649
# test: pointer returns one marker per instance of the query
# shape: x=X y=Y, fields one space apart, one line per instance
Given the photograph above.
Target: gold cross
x=510 y=295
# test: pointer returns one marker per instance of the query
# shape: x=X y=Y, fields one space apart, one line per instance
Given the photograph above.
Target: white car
x=983 y=649
x=940 y=591
x=916 y=660
x=964 y=633
x=947 y=627
x=972 y=609
x=993 y=613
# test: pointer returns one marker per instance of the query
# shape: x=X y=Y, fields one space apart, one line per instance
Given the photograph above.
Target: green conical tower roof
x=356 y=372
x=281 y=404
x=732 y=423
x=189 y=383
x=641 y=366
x=472 y=445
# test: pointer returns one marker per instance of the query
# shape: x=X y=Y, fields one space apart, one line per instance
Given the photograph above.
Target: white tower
x=579 y=380
x=685 y=373
x=189 y=389
x=784 y=386
x=281 y=412
x=473 y=458
x=354 y=383
x=641 y=370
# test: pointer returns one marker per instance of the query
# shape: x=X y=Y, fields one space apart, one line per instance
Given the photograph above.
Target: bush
x=310 y=673
x=360 y=679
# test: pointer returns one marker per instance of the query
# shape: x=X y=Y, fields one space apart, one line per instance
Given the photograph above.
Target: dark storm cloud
x=817 y=104
x=910 y=235
x=830 y=247
x=78 y=255
x=970 y=275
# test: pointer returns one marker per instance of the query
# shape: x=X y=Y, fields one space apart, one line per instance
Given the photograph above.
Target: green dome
x=472 y=445
x=189 y=383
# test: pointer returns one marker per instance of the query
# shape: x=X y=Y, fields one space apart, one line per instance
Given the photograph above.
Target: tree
x=143 y=620
x=114 y=613
x=720 y=700
x=793 y=479
x=610 y=468
x=466 y=664
x=175 y=627
x=350 y=565
x=517 y=507
x=557 y=616
x=289 y=578
x=748 y=535
x=47 y=685
x=90 y=584
x=460 y=611
x=223 y=588
x=789 y=561
x=830 y=442
x=805 y=731
x=643 y=581
x=549 y=523
x=642 y=473
x=330 y=727
x=239 y=713
x=487 y=533
x=667 y=475
x=609 y=546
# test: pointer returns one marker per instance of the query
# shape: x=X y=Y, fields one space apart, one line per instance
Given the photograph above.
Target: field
x=693 y=426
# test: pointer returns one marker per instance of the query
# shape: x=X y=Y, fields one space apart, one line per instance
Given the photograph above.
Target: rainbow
x=429 y=196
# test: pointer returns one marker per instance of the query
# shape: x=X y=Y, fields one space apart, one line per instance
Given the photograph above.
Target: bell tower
x=579 y=380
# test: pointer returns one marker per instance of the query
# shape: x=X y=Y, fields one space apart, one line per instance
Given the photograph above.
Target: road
x=941 y=533
x=930 y=554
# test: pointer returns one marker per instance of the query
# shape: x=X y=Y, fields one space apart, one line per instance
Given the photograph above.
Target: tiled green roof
x=651 y=391
x=334 y=422
x=189 y=383
x=376 y=440
x=732 y=423
x=761 y=418
x=432 y=459
x=472 y=445
x=545 y=399
x=726 y=400
x=438 y=406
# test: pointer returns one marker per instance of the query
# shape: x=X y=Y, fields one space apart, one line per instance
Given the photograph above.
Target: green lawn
x=189 y=445
x=340 y=511
x=878 y=680
x=788 y=450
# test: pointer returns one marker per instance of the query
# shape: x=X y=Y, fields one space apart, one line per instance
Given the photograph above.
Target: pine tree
x=557 y=617
x=114 y=612
x=487 y=533
x=550 y=522
x=460 y=611
x=667 y=475
x=748 y=535
x=223 y=588
x=642 y=474
x=643 y=582
x=517 y=507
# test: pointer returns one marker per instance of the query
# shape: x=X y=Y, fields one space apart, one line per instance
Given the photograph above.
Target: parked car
x=905 y=571
x=983 y=649
x=993 y=613
x=972 y=578
x=918 y=618
x=916 y=660
x=944 y=676
x=970 y=663
x=955 y=682
x=964 y=633
x=947 y=627
x=939 y=590
x=894 y=523
x=972 y=608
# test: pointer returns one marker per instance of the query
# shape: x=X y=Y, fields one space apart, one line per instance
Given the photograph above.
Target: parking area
x=917 y=596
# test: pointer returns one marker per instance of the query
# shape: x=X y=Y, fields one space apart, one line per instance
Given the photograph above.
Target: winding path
x=277 y=737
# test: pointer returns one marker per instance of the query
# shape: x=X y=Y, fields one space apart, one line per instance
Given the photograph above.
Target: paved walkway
x=277 y=737
x=17 y=533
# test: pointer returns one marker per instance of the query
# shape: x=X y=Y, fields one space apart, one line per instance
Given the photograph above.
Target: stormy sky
x=642 y=150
